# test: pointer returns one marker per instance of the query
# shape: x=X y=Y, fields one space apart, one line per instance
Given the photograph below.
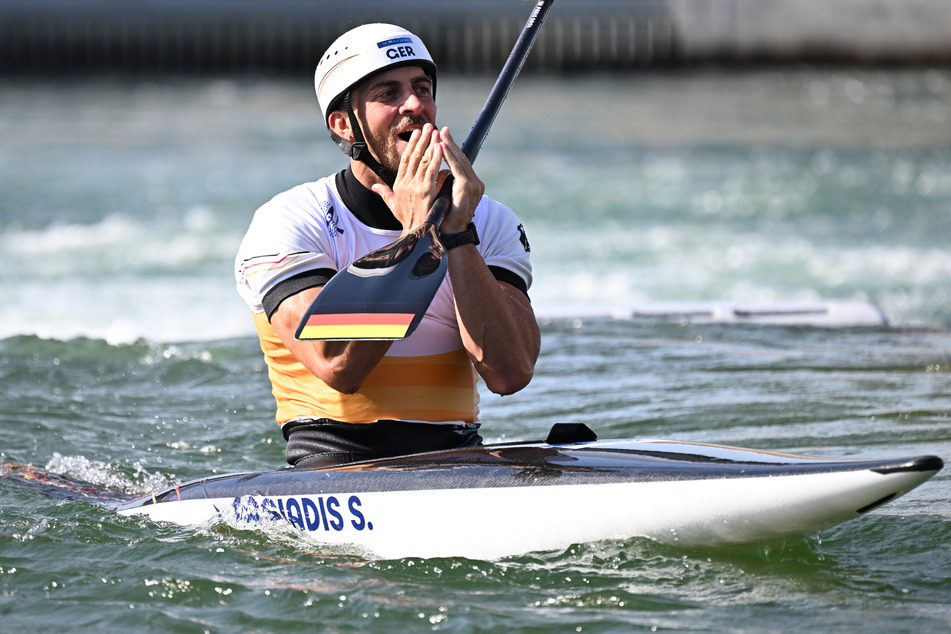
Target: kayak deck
x=514 y=498
x=520 y=464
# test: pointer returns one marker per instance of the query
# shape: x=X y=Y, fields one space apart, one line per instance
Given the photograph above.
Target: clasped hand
x=420 y=177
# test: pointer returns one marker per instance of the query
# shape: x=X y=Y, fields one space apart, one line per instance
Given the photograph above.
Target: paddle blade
x=381 y=296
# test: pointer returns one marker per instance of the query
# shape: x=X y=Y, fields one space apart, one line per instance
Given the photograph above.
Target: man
x=339 y=401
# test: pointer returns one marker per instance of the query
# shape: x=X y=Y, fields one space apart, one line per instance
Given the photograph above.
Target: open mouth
x=407 y=127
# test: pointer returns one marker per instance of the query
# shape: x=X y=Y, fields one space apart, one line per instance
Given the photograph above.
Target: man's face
x=390 y=106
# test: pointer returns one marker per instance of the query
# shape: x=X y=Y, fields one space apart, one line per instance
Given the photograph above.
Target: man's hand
x=417 y=179
x=467 y=188
x=420 y=177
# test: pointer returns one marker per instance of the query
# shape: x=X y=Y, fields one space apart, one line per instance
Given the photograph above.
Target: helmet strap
x=358 y=149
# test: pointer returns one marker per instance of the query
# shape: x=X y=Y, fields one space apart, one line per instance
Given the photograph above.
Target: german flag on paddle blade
x=351 y=326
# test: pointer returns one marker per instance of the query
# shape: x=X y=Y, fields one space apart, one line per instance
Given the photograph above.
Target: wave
x=124 y=279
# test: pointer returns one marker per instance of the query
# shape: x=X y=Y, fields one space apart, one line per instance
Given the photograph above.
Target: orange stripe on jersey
x=435 y=388
x=452 y=372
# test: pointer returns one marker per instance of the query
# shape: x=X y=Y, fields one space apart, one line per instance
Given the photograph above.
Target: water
x=126 y=358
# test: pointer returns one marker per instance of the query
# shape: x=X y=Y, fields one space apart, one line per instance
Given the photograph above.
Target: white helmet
x=364 y=51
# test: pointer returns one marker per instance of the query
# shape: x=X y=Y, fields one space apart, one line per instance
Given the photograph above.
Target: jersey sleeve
x=504 y=244
x=286 y=249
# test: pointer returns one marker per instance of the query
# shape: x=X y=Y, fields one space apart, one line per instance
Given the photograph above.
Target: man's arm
x=496 y=321
x=343 y=365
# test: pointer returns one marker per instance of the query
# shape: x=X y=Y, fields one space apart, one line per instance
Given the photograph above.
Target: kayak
x=508 y=499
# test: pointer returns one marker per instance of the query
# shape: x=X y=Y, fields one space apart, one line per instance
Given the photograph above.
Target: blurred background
x=776 y=154
x=241 y=36
x=759 y=151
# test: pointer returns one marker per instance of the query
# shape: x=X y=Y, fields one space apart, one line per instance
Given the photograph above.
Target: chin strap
x=358 y=148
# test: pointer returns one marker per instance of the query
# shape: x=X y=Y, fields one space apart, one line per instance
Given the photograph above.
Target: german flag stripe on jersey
x=357 y=326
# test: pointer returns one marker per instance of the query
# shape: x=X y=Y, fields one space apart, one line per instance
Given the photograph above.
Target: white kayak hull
x=503 y=500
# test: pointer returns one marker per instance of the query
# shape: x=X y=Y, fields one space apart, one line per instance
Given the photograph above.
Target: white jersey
x=309 y=229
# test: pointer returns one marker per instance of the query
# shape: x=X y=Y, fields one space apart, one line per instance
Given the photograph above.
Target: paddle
x=385 y=294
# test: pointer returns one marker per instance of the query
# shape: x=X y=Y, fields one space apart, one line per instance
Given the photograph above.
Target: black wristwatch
x=453 y=240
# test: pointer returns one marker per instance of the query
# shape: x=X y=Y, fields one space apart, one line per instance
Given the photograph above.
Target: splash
x=103 y=475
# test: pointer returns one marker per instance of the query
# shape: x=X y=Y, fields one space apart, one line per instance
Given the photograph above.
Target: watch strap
x=453 y=240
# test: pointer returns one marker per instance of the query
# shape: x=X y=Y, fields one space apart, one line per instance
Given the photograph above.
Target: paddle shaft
x=493 y=104
x=480 y=129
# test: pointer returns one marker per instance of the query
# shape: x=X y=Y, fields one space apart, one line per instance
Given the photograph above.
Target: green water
x=156 y=414
x=121 y=206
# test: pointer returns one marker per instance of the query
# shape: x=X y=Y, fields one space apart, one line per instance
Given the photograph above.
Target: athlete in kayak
x=339 y=401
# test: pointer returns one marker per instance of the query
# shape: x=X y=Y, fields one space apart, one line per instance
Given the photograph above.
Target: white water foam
x=107 y=476
x=122 y=279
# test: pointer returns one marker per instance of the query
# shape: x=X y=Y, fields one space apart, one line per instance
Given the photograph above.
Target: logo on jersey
x=523 y=238
x=331 y=219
